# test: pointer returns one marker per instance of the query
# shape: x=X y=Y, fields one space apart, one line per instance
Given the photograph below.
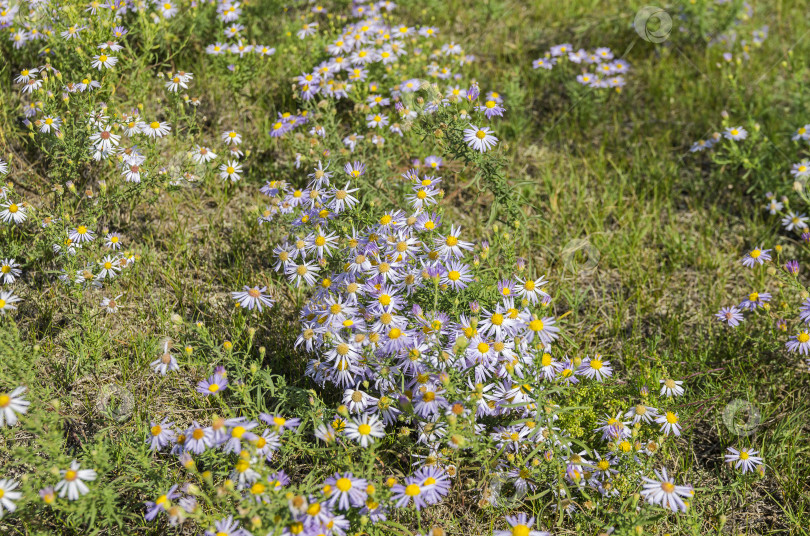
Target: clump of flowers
x=598 y=68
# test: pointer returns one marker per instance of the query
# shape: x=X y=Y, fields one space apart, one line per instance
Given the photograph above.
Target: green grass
x=613 y=169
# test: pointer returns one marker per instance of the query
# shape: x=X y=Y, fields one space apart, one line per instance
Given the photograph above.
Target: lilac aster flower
x=730 y=315
x=239 y=432
x=756 y=256
x=404 y=494
x=346 y=490
x=544 y=63
x=801 y=170
x=664 y=492
x=755 y=299
x=804 y=311
x=198 y=438
x=456 y=275
x=491 y=109
x=792 y=267
x=252 y=298
x=227 y=527
x=520 y=524
x=795 y=221
x=161 y=504
x=160 y=434
x=213 y=385
x=436 y=480
x=473 y=92
x=800 y=343
x=745 y=458
x=355 y=169
x=278 y=422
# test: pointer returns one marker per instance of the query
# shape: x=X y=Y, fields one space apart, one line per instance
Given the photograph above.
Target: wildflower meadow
x=425 y=268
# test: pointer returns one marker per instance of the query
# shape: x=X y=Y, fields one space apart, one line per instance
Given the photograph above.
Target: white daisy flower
x=745 y=458
x=480 y=139
x=8 y=495
x=110 y=266
x=7 y=301
x=201 y=155
x=11 y=405
x=230 y=171
x=9 y=271
x=231 y=137
x=252 y=298
x=670 y=387
x=669 y=423
x=73 y=481
x=111 y=304
x=12 y=212
x=665 y=493
x=155 y=129
x=365 y=429
x=165 y=363
x=81 y=234
x=104 y=61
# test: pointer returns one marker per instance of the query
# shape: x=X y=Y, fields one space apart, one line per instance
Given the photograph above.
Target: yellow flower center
x=520 y=530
